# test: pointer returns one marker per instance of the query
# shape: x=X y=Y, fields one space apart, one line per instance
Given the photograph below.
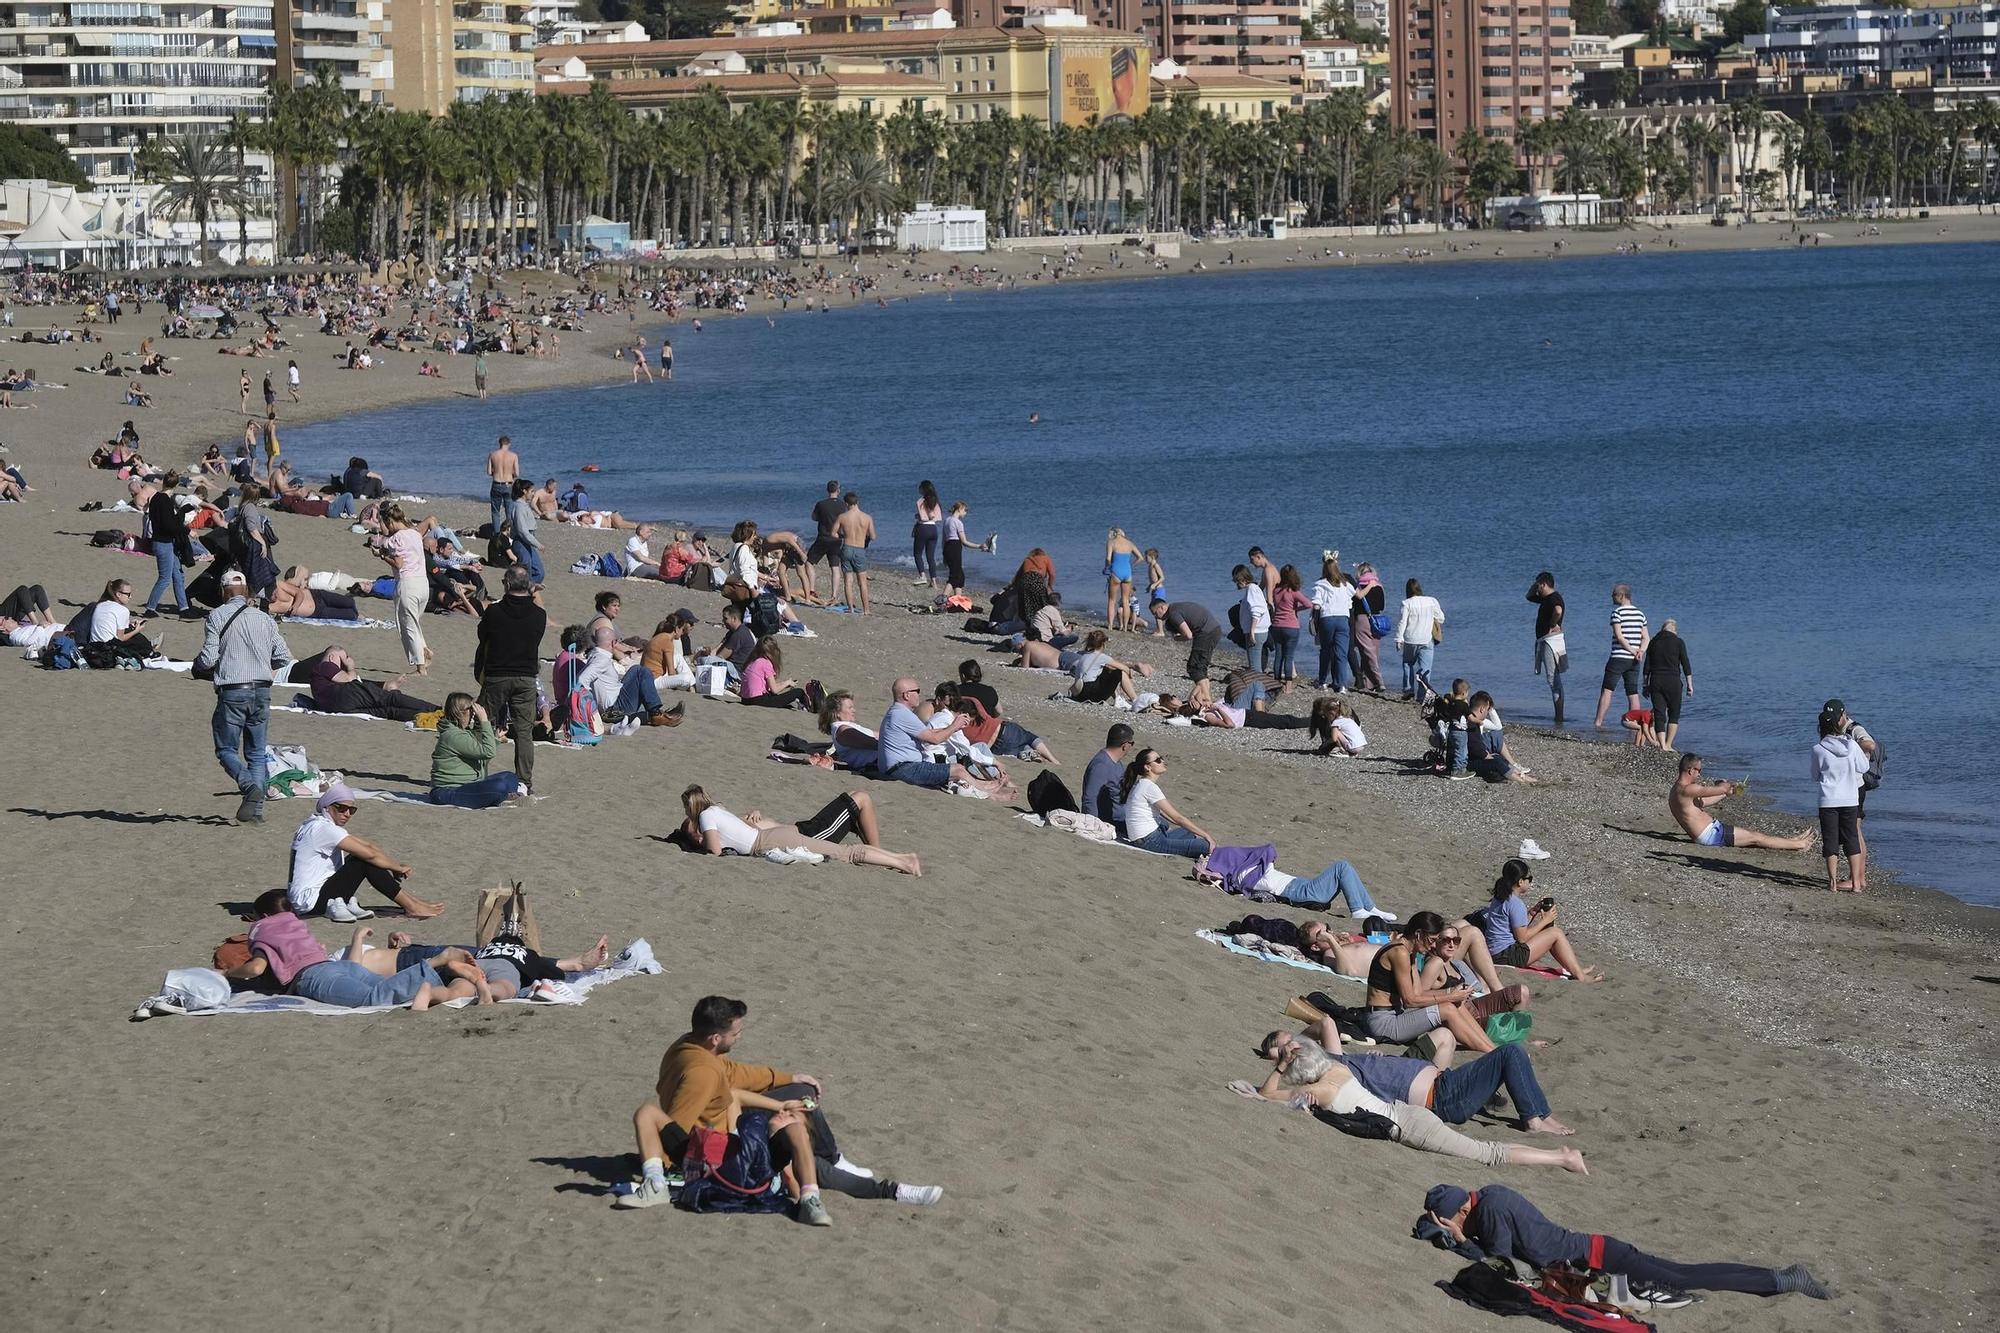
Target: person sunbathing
x=1098 y=677
x=285 y=951
x=1002 y=734
x=717 y=831
x=1035 y=655
x=1688 y=801
x=1313 y=942
x=1308 y=1069
x=509 y=965
x=294 y=596
x=337 y=687
x=1519 y=937
x=1401 y=1008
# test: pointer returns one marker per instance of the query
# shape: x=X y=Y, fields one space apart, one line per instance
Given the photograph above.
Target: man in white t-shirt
x=329 y=864
x=639 y=561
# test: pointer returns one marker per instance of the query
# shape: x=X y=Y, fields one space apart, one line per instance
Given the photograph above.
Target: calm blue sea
x=1792 y=453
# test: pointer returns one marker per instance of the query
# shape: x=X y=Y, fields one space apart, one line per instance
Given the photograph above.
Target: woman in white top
x=1333 y=603
x=741 y=562
x=402 y=549
x=1148 y=820
x=1417 y=633
x=1253 y=613
x=854 y=746
x=717 y=831
x=639 y=561
x=1334 y=727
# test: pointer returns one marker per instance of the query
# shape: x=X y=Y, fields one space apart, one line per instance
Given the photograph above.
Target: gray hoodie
x=1838 y=765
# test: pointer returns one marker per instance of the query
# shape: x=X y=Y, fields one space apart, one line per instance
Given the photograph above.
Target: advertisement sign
x=1110 y=84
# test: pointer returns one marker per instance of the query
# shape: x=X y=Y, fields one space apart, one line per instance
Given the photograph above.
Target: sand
x=1772 y=1074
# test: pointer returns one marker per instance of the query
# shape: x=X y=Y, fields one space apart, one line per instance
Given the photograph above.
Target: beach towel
x=366 y=622
x=1262 y=956
x=635 y=960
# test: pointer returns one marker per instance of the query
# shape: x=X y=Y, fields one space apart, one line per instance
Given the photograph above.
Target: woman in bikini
x=1402 y=1009
x=1120 y=558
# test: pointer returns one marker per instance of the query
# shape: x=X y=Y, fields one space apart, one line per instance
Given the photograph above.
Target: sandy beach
x=1772 y=1074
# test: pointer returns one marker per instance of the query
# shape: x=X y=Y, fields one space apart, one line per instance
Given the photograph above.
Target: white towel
x=366 y=622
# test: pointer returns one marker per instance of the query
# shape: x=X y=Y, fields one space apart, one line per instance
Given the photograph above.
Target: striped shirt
x=1632 y=621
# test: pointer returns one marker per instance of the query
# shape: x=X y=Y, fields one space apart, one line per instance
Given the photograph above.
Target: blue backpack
x=737 y=1179
x=610 y=566
x=62 y=654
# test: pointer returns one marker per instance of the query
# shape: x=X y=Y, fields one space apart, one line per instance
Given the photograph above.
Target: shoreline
x=1770 y=1074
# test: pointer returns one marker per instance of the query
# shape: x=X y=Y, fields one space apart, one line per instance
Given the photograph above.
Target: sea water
x=1792 y=453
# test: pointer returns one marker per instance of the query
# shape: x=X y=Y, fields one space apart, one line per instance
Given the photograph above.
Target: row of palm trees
x=366 y=179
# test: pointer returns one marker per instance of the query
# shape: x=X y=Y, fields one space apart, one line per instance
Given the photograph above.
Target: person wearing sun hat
x=1507 y=1226
x=329 y=864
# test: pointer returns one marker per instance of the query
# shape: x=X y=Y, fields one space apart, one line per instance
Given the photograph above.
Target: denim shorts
x=921 y=773
x=352 y=986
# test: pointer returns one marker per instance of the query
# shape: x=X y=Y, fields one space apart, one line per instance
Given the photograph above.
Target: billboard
x=1110 y=83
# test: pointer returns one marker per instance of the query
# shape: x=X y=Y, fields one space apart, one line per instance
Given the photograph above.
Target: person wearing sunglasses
x=329 y=864
x=1519 y=937
x=905 y=735
x=1148 y=819
x=1402 y=1008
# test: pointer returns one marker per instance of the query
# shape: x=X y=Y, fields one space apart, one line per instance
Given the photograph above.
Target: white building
x=1331 y=66
x=1694 y=11
x=1951 y=45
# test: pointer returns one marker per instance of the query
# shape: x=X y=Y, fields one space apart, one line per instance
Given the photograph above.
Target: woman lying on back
x=717 y=831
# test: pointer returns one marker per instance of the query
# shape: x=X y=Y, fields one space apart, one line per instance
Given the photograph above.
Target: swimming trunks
x=1121 y=566
x=1717 y=834
x=850 y=558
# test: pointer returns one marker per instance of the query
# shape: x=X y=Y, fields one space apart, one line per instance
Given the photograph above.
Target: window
x=989 y=85
x=989 y=64
x=957 y=65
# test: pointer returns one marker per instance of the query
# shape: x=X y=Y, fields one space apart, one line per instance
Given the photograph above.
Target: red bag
x=705 y=1150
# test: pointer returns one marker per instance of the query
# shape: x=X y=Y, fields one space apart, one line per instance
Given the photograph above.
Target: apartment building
x=1477 y=64
x=1254 y=37
x=344 y=37
x=1330 y=66
x=99 y=74
x=1958 y=44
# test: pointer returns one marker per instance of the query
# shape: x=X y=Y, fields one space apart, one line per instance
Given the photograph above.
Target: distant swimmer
x=1034 y=418
x=1548 y=342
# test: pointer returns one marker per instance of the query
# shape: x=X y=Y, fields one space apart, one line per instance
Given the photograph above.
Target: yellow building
x=966 y=74
x=1233 y=97
x=445 y=52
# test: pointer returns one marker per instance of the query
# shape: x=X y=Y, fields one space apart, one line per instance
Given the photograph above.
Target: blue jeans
x=529 y=556
x=481 y=794
x=352 y=986
x=1257 y=650
x=1460 y=739
x=638 y=694
x=1284 y=647
x=1172 y=840
x=1416 y=665
x=499 y=496
x=1339 y=880
x=1015 y=739
x=340 y=506
x=168 y=562
x=1461 y=1092
x=242 y=714
x=1333 y=642
x=921 y=773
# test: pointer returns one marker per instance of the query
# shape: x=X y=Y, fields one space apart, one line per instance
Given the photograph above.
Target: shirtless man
x=792 y=560
x=855 y=530
x=1308 y=1068
x=502 y=465
x=1689 y=799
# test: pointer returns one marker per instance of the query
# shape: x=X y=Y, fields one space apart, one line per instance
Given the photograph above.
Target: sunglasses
x=343 y=808
x=1448 y=941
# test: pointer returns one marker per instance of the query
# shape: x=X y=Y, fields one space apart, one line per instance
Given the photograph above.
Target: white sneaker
x=338 y=910
x=1381 y=912
x=853 y=1170
x=921 y=1196
x=1531 y=850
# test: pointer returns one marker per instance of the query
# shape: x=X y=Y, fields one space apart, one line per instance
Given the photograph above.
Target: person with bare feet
x=503 y=465
x=282 y=948
x=717 y=832
x=1518 y=937
x=329 y=864
x=508 y=965
x=1401 y=1008
x=1840 y=762
x=1309 y=1069
x=904 y=736
x=1689 y=798
x=854 y=530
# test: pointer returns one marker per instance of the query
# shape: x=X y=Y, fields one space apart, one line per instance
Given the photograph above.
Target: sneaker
x=337 y=910
x=813 y=1212
x=250 y=811
x=645 y=1194
x=1458 y=775
x=851 y=1169
x=921 y=1196
x=1651 y=1296
x=1530 y=849
x=1382 y=912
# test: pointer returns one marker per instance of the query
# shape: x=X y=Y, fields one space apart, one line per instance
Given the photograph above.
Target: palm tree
x=1437 y=173
x=863 y=186
x=198 y=178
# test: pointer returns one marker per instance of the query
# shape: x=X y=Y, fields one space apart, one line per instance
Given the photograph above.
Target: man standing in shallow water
x=503 y=465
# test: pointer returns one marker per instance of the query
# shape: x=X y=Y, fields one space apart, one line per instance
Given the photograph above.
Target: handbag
x=1437 y=629
x=712 y=681
x=1378 y=621
x=200 y=672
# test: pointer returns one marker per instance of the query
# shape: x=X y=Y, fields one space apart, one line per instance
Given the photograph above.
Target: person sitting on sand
x=854 y=746
x=1333 y=725
x=337 y=687
x=1002 y=735
x=329 y=864
x=904 y=736
x=717 y=832
x=1401 y=1008
x=734 y=649
x=1456 y=1094
x=699 y=1086
x=1688 y=801
x=1147 y=820
x=295 y=596
x=460 y=759
x=1486 y=744
x=666 y=655
x=283 y=949
x=1098 y=677
x=618 y=679
x=1507 y=1226
x=1518 y=937
x=762 y=685
x=1308 y=1069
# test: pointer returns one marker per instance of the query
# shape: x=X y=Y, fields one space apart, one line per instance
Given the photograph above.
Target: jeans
x=1014 y=739
x=1461 y=1092
x=1456 y=754
x=242 y=714
x=1620 y=1257
x=511 y=700
x=1550 y=663
x=1333 y=644
x=1416 y=665
x=638 y=694
x=352 y=986
x=529 y=556
x=482 y=794
x=499 y=496
x=1172 y=840
x=340 y=506
x=1257 y=650
x=926 y=548
x=168 y=562
x=1284 y=647
x=1339 y=880
x=921 y=773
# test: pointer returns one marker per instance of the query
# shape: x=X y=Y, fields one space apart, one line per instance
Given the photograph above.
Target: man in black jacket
x=509 y=656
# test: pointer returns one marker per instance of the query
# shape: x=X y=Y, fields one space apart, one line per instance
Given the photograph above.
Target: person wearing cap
x=1839 y=764
x=506 y=661
x=329 y=864
x=1862 y=737
x=242 y=652
x=1507 y=1226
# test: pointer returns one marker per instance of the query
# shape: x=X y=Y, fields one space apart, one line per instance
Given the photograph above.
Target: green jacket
x=461 y=756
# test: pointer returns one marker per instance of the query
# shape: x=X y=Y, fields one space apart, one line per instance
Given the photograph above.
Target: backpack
x=610 y=566
x=701 y=577
x=765 y=618
x=1047 y=794
x=731 y=1173
x=108 y=537
x=1876 y=763
x=1488 y=1286
x=102 y=656
x=62 y=654
x=584 y=564
x=1359 y=1124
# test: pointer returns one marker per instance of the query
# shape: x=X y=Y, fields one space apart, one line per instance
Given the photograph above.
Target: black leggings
x=1101 y=690
x=352 y=874
x=24 y=602
x=1665 y=696
x=954 y=562
x=792 y=698
x=1620 y=1257
x=1292 y=721
x=825 y=1151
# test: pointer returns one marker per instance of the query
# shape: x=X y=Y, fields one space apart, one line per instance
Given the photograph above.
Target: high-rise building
x=1255 y=37
x=1477 y=64
x=345 y=37
x=443 y=52
x=99 y=76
